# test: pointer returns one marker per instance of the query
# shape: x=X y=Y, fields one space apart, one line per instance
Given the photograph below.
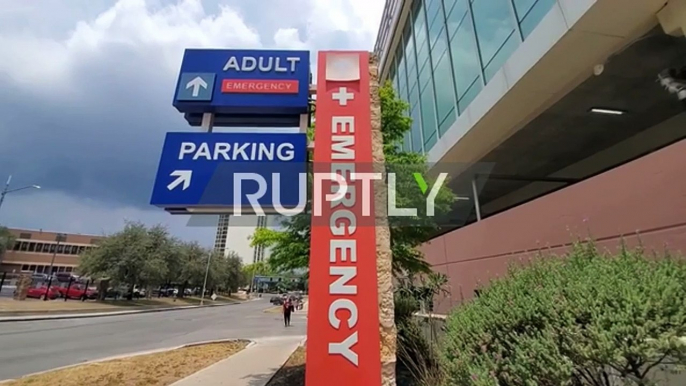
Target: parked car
x=77 y=291
x=65 y=277
x=39 y=292
x=276 y=300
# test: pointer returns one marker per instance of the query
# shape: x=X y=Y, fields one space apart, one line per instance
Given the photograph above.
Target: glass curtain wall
x=449 y=50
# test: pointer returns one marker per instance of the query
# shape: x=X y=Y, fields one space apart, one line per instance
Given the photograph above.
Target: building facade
x=554 y=118
x=234 y=233
x=33 y=251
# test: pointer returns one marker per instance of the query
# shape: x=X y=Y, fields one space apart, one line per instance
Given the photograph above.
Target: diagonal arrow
x=182 y=176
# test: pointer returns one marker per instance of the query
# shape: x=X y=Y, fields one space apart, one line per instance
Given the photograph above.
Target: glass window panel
x=523 y=7
x=435 y=29
x=428 y=114
x=423 y=55
x=411 y=60
x=416 y=131
x=407 y=143
x=445 y=91
x=499 y=59
x=433 y=7
x=494 y=26
x=530 y=20
x=424 y=76
x=430 y=142
x=414 y=97
x=471 y=93
x=447 y=122
x=465 y=54
x=440 y=45
x=457 y=15
x=419 y=27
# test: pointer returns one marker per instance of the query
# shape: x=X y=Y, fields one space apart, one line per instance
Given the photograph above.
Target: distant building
x=34 y=249
x=234 y=233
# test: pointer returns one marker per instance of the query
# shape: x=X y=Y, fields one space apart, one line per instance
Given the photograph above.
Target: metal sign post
x=204 y=283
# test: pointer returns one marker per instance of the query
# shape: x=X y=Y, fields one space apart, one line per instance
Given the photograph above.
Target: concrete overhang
x=559 y=54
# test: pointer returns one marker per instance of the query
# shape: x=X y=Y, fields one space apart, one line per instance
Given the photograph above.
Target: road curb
x=34 y=318
x=133 y=355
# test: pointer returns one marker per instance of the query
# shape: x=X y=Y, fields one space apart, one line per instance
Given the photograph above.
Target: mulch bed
x=293 y=371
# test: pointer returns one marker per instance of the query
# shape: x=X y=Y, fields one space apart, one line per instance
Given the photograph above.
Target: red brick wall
x=643 y=199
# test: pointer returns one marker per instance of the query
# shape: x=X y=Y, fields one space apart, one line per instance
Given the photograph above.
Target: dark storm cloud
x=102 y=143
x=86 y=89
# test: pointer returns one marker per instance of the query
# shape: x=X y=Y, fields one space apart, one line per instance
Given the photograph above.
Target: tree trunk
x=384 y=266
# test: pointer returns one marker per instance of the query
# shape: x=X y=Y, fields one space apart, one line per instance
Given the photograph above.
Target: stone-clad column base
x=23 y=284
x=384 y=267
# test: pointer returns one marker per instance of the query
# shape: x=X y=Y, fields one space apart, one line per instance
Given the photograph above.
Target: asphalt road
x=29 y=347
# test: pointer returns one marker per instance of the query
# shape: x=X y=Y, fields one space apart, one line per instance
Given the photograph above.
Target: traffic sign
x=195 y=86
x=214 y=173
x=244 y=87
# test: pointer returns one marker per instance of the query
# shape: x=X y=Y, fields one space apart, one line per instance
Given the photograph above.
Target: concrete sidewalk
x=254 y=366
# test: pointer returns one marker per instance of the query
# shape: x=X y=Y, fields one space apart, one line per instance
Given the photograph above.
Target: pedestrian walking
x=287 y=309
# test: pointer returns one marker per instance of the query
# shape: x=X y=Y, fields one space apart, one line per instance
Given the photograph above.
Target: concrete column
x=673 y=18
x=384 y=267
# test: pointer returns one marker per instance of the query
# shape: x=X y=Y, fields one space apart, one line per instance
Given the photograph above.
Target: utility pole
x=60 y=237
x=204 y=284
x=7 y=189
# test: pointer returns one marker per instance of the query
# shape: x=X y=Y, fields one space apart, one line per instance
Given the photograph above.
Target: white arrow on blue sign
x=220 y=170
x=195 y=86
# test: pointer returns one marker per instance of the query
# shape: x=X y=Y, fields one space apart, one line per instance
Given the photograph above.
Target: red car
x=77 y=291
x=39 y=292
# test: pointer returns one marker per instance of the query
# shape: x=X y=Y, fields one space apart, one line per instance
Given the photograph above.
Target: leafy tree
x=7 y=240
x=232 y=272
x=587 y=319
x=290 y=248
x=135 y=255
x=258 y=268
x=149 y=257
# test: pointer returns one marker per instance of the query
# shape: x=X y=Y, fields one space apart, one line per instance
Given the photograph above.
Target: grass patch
x=293 y=371
x=146 y=370
x=273 y=310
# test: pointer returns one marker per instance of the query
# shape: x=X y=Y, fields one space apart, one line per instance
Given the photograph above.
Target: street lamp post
x=59 y=238
x=204 y=283
x=8 y=190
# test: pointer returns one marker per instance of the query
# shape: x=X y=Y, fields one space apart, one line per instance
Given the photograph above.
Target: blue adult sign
x=244 y=87
x=219 y=172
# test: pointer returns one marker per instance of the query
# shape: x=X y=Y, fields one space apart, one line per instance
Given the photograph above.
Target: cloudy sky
x=86 y=89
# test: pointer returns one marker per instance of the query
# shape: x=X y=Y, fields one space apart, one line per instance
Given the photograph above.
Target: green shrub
x=579 y=320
